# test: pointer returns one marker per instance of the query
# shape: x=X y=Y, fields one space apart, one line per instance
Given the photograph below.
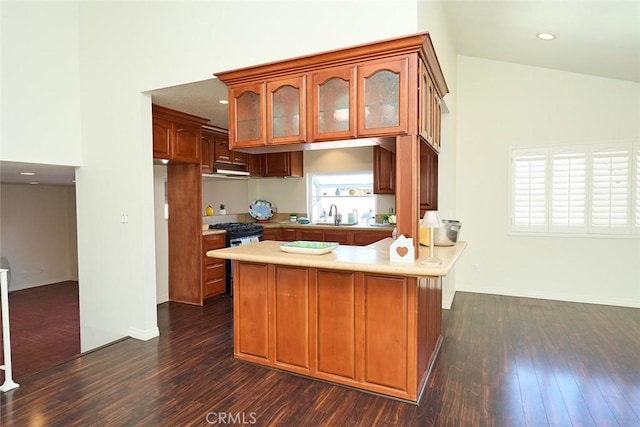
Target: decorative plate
x=261 y=210
x=306 y=247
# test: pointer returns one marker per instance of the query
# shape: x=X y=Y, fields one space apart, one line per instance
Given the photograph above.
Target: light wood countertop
x=373 y=258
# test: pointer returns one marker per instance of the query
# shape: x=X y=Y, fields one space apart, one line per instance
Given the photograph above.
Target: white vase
x=223 y=211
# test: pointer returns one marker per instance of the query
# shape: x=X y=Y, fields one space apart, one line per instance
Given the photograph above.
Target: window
x=576 y=189
x=351 y=193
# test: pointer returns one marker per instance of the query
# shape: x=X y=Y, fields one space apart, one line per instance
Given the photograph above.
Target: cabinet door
x=437 y=121
x=283 y=164
x=286 y=111
x=208 y=148
x=188 y=143
x=222 y=154
x=364 y=238
x=312 y=235
x=333 y=104
x=384 y=171
x=246 y=112
x=342 y=237
x=162 y=131
x=383 y=98
x=271 y=234
x=238 y=158
x=255 y=164
x=428 y=179
x=426 y=96
x=289 y=234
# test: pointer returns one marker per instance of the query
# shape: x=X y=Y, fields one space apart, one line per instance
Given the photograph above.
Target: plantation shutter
x=568 y=191
x=610 y=189
x=529 y=191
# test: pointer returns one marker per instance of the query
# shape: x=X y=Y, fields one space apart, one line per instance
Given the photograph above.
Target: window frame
x=588 y=228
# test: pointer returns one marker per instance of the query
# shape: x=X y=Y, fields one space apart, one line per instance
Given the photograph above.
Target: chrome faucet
x=338 y=217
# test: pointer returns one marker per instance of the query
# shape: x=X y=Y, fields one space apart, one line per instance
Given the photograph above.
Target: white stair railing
x=6 y=338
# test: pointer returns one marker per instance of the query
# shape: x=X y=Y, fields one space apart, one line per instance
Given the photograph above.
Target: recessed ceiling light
x=545 y=36
x=27 y=173
x=223 y=101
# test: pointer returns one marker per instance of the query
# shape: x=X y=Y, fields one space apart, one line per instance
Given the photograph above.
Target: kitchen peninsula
x=351 y=316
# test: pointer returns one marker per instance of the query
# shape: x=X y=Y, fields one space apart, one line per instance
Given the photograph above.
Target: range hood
x=226 y=171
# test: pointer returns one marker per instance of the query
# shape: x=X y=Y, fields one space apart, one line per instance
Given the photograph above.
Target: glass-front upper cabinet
x=286 y=111
x=382 y=95
x=333 y=100
x=246 y=112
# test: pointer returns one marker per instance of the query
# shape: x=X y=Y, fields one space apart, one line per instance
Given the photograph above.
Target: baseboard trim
x=162 y=298
x=144 y=335
x=551 y=296
x=447 y=301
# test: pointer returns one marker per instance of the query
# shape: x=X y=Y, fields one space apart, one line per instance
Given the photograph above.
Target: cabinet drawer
x=213 y=241
x=213 y=288
x=214 y=271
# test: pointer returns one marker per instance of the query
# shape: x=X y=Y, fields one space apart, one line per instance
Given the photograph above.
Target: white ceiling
x=600 y=38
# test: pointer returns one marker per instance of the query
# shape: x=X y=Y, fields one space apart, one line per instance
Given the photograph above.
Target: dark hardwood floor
x=505 y=362
x=45 y=327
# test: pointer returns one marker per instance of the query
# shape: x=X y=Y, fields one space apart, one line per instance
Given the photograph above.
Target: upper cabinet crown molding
x=415 y=43
x=367 y=91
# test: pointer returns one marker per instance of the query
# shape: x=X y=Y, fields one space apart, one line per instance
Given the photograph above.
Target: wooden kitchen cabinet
x=271 y=234
x=384 y=171
x=269 y=112
x=333 y=104
x=286 y=111
x=399 y=86
x=365 y=237
x=289 y=234
x=344 y=238
x=287 y=164
x=311 y=235
x=177 y=136
x=247 y=115
x=429 y=109
x=213 y=269
x=340 y=326
x=255 y=164
x=208 y=149
x=428 y=178
x=383 y=97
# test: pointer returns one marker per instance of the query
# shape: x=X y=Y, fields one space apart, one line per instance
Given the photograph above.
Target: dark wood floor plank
x=505 y=361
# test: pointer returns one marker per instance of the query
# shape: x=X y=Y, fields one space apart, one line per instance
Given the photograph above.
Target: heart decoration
x=402 y=251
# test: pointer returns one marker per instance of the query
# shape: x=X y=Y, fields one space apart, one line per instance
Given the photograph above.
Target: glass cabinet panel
x=286 y=110
x=248 y=120
x=285 y=117
x=382 y=100
x=333 y=100
x=333 y=106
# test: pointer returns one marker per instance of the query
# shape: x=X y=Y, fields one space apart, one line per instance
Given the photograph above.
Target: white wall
x=106 y=55
x=501 y=105
x=37 y=233
x=40 y=83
